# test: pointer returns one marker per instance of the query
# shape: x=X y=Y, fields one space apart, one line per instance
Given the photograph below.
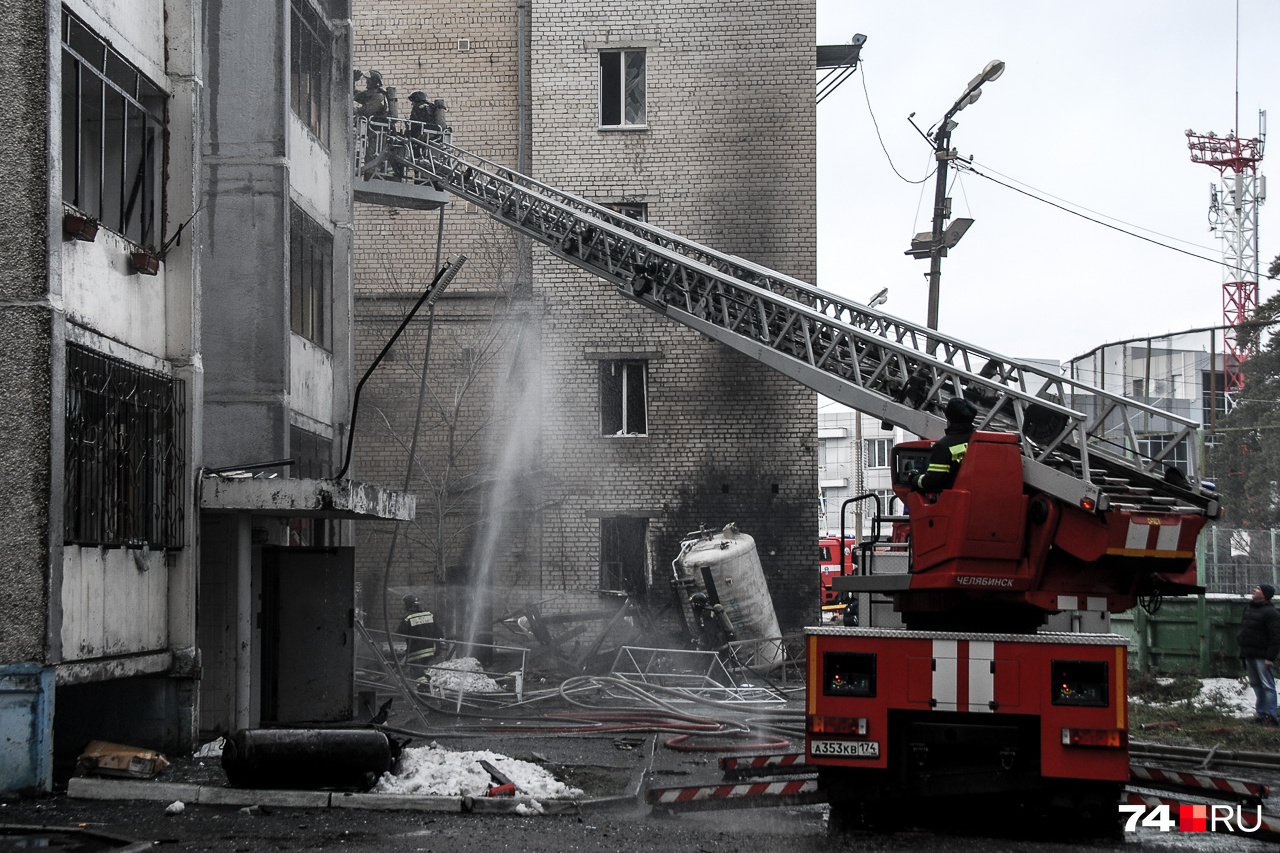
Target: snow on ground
x=1233 y=696
x=438 y=772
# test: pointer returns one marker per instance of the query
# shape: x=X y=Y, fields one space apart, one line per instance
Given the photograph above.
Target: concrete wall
x=27 y=336
x=77 y=615
x=728 y=159
x=259 y=159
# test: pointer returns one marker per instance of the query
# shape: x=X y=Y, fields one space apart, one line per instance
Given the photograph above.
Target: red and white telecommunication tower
x=1233 y=216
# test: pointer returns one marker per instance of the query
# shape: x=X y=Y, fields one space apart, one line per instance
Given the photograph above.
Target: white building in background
x=1180 y=373
x=853 y=460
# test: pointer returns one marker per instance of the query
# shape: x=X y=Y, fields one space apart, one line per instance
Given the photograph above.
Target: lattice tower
x=1233 y=216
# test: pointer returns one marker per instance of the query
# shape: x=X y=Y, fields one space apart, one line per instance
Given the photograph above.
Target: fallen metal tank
x=727 y=568
x=307 y=758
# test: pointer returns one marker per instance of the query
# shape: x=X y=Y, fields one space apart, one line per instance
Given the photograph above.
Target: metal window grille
x=310 y=58
x=125 y=454
x=113 y=137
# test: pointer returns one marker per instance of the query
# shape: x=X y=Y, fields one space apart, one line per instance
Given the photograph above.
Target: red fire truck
x=967 y=698
x=834 y=560
x=1056 y=510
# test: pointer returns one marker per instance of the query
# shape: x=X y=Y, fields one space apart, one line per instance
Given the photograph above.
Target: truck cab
x=834 y=559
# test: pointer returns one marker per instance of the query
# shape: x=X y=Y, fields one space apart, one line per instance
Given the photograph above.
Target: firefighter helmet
x=960 y=411
x=410 y=602
x=375 y=78
x=418 y=97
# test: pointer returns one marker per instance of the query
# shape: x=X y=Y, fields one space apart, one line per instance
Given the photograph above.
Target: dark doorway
x=308 y=644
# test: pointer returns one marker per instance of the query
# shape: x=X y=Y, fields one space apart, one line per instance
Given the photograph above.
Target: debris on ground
x=462 y=675
x=114 y=759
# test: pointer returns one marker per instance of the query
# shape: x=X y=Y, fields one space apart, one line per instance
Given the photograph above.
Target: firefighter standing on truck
x=948 y=452
x=419 y=629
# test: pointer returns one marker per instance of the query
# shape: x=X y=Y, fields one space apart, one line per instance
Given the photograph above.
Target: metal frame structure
x=1233 y=216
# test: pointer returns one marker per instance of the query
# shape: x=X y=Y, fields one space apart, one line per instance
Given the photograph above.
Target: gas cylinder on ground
x=307 y=758
x=727 y=568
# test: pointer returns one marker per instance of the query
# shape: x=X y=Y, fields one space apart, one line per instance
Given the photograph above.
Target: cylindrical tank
x=307 y=758
x=727 y=568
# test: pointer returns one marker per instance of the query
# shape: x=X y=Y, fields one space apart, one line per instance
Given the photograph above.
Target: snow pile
x=438 y=772
x=1232 y=696
x=462 y=675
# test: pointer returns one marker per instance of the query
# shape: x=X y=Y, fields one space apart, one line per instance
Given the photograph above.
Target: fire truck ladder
x=872 y=362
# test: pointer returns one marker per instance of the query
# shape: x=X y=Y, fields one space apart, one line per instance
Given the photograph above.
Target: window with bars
x=623 y=406
x=113 y=137
x=622 y=88
x=310 y=277
x=125 y=455
x=310 y=64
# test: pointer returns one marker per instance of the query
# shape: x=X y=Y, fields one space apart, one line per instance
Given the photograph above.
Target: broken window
x=639 y=211
x=310 y=58
x=113 y=137
x=623 y=407
x=125 y=458
x=310 y=277
x=623 y=554
x=622 y=88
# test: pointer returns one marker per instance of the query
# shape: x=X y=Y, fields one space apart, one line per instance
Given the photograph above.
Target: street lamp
x=940 y=240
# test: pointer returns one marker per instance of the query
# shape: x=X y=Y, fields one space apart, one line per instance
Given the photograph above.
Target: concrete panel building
x=175 y=305
x=567 y=439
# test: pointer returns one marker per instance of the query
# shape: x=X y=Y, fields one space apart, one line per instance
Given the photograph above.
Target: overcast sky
x=1092 y=108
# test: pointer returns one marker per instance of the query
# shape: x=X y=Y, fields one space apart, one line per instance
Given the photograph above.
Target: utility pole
x=933 y=245
x=943 y=154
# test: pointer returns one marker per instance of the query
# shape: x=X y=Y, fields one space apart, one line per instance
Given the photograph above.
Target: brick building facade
x=569 y=438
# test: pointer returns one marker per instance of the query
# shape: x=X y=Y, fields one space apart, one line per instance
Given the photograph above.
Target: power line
x=1216 y=261
x=872 y=112
x=1073 y=204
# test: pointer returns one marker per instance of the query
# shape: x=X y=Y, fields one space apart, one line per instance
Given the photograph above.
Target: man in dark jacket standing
x=1259 y=640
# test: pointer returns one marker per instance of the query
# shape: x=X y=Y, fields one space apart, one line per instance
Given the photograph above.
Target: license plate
x=845 y=748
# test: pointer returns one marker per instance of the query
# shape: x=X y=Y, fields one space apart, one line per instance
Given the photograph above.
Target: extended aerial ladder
x=1054 y=508
x=1078 y=443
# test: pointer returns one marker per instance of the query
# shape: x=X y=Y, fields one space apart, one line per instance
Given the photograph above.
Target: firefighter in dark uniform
x=948 y=452
x=373 y=103
x=419 y=630
x=424 y=117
